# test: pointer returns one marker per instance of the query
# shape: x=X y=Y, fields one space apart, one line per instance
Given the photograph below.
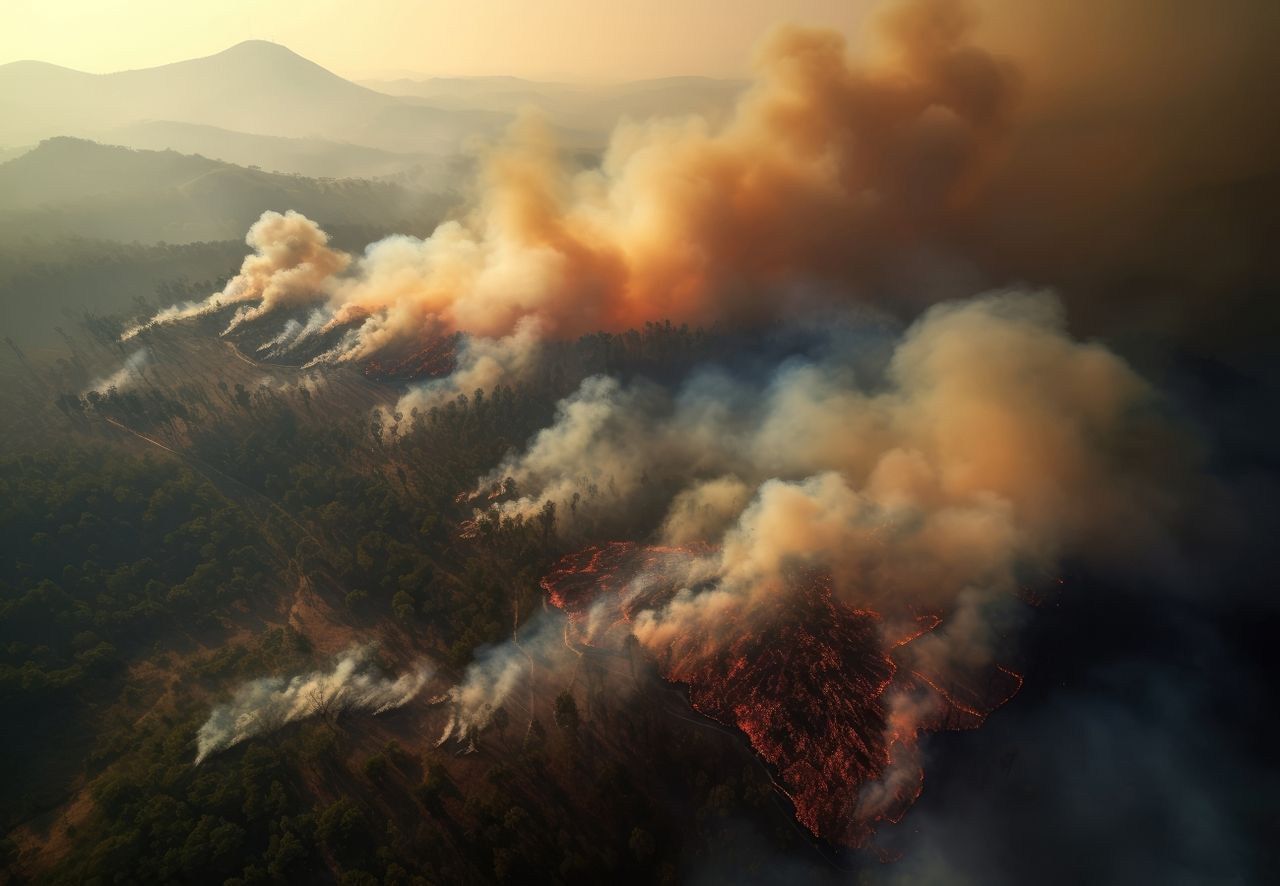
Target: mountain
x=316 y=158
x=71 y=187
x=595 y=108
x=253 y=87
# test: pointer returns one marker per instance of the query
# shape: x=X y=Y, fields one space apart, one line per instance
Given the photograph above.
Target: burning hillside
x=433 y=357
x=820 y=690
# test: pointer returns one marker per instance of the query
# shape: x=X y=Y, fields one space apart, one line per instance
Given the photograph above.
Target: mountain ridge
x=263 y=88
x=74 y=187
x=254 y=87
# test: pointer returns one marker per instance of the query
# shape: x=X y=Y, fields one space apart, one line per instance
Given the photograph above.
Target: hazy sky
x=582 y=39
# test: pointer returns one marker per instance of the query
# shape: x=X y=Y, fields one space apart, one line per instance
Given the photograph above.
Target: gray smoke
x=126 y=376
x=497 y=672
x=265 y=705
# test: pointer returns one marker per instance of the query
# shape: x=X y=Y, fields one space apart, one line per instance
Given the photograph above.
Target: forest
x=141 y=583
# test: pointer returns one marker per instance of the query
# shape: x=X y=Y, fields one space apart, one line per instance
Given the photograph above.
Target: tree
x=536 y=737
x=501 y=720
x=375 y=768
x=641 y=844
x=321 y=704
x=567 y=712
x=343 y=827
x=547 y=520
x=403 y=606
x=435 y=787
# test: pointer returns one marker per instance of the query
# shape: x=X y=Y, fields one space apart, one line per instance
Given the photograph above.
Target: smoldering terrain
x=905 y=431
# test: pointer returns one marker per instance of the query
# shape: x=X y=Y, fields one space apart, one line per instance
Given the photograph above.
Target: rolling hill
x=90 y=226
x=72 y=187
x=312 y=157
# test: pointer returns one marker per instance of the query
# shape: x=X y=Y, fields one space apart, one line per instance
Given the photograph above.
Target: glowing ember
x=827 y=696
x=435 y=358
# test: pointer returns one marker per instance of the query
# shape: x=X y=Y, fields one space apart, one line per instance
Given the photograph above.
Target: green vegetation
x=102 y=553
x=145 y=577
x=70 y=187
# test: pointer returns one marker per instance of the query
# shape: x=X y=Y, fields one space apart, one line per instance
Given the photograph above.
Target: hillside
x=90 y=226
x=313 y=157
x=71 y=187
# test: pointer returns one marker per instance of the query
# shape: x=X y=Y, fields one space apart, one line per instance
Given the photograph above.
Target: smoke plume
x=495 y=675
x=1111 y=156
x=827 y=171
x=482 y=364
x=262 y=706
x=124 y=377
x=993 y=445
x=291 y=263
x=957 y=153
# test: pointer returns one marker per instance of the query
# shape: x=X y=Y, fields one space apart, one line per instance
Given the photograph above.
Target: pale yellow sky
x=566 y=39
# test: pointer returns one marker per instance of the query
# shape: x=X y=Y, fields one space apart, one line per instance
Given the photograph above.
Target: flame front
x=820 y=689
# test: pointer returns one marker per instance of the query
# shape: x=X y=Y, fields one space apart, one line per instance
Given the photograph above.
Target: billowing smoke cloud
x=930 y=164
x=126 y=376
x=986 y=397
x=291 y=263
x=482 y=363
x=994 y=445
x=263 y=706
x=825 y=168
x=828 y=170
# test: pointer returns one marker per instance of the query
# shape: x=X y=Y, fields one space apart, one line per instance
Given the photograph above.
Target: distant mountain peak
x=35 y=65
x=254 y=41
x=260 y=49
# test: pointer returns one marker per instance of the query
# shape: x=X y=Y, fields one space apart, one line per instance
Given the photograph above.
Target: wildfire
x=826 y=694
x=434 y=358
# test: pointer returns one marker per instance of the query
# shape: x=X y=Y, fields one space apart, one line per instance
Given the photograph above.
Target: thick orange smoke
x=1125 y=159
x=827 y=173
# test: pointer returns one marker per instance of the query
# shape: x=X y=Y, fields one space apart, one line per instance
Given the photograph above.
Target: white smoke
x=290 y=264
x=265 y=705
x=482 y=364
x=126 y=376
x=496 y=673
x=294 y=334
